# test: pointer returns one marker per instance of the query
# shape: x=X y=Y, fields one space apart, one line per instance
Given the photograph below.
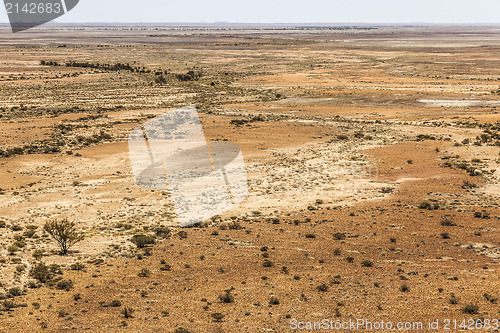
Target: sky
x=282 y=11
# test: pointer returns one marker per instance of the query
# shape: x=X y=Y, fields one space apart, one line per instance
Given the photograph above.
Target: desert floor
x=372 y=158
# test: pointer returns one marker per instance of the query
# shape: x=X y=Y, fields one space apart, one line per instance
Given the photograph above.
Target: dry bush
x=64 y=233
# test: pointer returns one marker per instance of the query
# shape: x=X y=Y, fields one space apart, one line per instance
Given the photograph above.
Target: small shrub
x=367 y=263
x=217 y=317
x=322 y=287
x=236 y=226
x=267 y=263
x=274 y=301
x=191 y=75
x=16 y=227
x=404 y=288
x=181 y=330
x=38 y=254
x=387 y=190
x=64 y=285
x=115 y=304
x=226 y=298
x=490 y=298
x=43 y=273
x=8 y=305
x=77 y=266
x=13 y=249
x=447 y=223
x=339 y=236
x=144 y=272
x=310 y=236
x=182 y=234
x=142 y=240
x=482 y=215
x=166 y=268
x=425 y=205
x=19 y=243
x=471 y=309
x=127 y=312
x=468 y=185
x=445 y=235
x=349 y=259
x=14 y=292
x=163 y=232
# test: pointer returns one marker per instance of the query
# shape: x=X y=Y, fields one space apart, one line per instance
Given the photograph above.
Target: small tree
x=64 y=232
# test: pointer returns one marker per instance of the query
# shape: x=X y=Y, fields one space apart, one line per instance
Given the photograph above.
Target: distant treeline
x=323 y=28
x=107 y=67
x=161 y=76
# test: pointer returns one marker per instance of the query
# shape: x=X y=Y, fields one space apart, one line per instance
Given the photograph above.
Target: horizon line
x=275 y=23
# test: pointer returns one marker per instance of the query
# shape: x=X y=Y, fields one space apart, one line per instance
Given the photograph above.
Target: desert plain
x=371 y=152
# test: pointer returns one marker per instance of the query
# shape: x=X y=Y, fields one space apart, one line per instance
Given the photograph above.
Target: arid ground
x=372 y=156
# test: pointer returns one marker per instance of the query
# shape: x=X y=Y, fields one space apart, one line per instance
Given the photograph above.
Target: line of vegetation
x=161 y=76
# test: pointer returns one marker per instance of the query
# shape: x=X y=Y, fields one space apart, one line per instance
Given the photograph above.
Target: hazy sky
x=284 y=11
